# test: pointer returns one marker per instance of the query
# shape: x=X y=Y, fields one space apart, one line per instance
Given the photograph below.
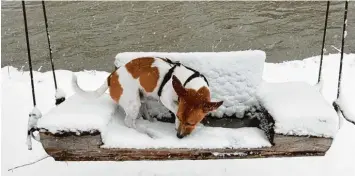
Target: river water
x=88 y=35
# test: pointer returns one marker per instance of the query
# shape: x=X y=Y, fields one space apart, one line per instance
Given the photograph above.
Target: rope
x=28 y=52
x=335 y=103
x=60 y=96
x=342 y=47
x=324 y=34
x=35 y=114
x=49 y=43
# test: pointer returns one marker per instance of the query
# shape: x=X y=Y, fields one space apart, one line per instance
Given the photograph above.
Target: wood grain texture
x=86 y=147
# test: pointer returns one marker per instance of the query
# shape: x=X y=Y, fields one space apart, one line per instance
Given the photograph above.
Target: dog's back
x=143 y=74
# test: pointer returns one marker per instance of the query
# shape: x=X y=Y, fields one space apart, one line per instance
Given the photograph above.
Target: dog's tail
x=89 y=94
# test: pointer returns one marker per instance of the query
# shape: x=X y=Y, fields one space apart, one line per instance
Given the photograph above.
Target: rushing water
x=88 y=35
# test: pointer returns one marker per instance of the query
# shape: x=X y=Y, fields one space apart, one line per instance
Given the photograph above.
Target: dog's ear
x=178 y=87
x=211 y=106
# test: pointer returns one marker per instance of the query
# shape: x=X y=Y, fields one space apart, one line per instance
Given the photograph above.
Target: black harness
x=168 y=75
x=195 y=75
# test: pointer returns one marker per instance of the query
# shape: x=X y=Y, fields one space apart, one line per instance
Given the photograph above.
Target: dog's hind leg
x=131 y=105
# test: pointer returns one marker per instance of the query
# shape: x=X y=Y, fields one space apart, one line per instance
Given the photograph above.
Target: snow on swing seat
x=236 y=78
x=299 y=109
x=240 y=72
x=80 y=129
x=77 y=115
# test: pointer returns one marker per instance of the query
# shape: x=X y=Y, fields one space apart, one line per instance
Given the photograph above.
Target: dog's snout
x=179 y=135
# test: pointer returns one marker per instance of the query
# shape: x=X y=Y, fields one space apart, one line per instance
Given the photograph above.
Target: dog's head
x=192 y=106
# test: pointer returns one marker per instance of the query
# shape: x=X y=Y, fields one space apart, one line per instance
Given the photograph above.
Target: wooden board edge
x=67 y=156
x=86 y=147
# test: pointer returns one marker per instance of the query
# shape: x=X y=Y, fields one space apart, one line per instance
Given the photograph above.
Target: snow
x=346 y=99
x=165 y=137
x=17 y=103
x=79 y=114
x=306 y=70
x=233 y=76
x=299 y=109
x=34 y=116
x=347 y=104
x=82 y=114
x=59 y=94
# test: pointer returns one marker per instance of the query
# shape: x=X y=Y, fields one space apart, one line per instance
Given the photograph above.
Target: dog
x=160 y=79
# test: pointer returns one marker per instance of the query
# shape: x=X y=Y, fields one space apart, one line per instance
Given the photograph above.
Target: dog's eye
x=189 y=124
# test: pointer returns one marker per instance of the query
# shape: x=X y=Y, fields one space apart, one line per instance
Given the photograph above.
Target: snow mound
x=233 y=76
x=299 y=109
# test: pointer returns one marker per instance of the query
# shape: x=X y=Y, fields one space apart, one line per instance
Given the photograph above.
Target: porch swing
x=86 y=145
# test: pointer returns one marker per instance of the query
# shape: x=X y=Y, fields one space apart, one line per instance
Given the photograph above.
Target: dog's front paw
x=130 y=123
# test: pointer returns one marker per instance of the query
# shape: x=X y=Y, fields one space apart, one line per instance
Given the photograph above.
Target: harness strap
x=109 y=76
x=170 y=73
x=167 y=75
x=195 y=75
x=166 y=79
x=170 y=61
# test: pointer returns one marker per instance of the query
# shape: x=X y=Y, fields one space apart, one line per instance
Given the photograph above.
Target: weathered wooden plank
x=86 y=147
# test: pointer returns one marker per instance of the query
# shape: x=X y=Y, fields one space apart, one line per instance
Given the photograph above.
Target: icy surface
x=233 y=76
x=339 y=160
x=299 y=109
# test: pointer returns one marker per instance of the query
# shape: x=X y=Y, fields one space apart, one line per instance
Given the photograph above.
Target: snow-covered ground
x=17 y=103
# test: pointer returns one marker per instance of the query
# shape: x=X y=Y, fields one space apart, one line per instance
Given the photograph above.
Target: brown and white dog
x=161 y=79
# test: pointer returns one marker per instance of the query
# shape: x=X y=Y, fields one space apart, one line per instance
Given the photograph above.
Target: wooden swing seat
x=242 y=69
x=86 y=147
